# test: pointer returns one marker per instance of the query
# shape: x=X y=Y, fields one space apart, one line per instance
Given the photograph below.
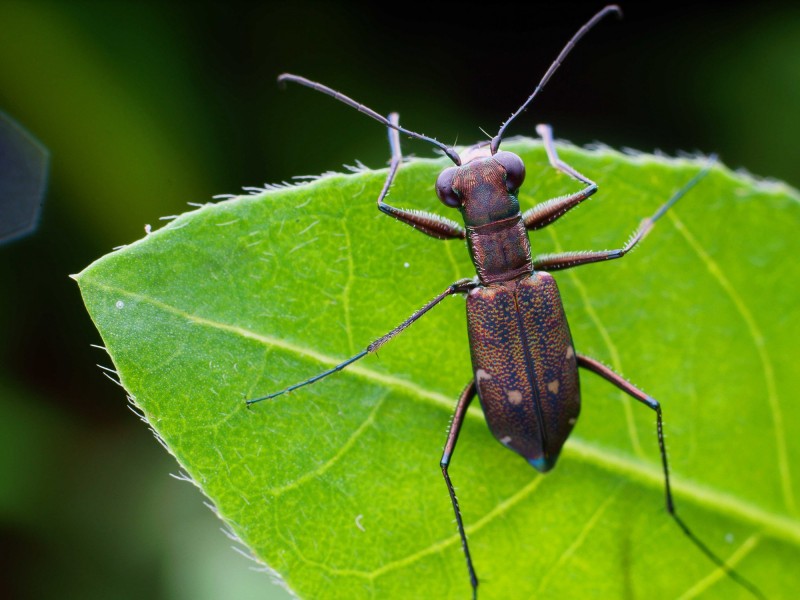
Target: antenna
x=450 y=152
x=611 y=8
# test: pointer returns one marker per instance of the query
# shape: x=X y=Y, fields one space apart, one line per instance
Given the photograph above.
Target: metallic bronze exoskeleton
x=524 y=364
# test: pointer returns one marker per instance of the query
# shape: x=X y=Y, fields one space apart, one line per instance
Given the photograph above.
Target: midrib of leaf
x=776 y=525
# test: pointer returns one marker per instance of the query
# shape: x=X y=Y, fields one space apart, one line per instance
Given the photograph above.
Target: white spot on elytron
x=120 y=304
x=358 y=522
x=406 y=265
x=553 y=386
x=481 y=375
x=514 y=396
x=505 y=440
x=570 y=352
x=147 y=229
x=729 y=538
x=572 y=420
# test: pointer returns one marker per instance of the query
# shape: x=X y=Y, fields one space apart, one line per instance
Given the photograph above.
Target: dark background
x=146 y=106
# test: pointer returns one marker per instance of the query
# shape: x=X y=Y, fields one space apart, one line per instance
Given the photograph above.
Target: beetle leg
x=460 y=286
x=603 y=371
x=545 y=213
x=452 y=437
x=567 y=260
x=428 y=223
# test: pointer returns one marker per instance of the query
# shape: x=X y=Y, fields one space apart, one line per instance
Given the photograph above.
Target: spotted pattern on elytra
x=519 y=334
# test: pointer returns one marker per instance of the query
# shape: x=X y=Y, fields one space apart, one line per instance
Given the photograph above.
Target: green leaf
x=337 y=486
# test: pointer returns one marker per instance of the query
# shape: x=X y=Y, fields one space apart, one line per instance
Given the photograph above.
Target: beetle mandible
x=524 y=363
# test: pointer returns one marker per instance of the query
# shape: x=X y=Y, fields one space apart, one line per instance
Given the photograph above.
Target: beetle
x=524 y=363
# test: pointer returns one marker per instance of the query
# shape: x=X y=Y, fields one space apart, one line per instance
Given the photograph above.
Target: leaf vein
x=777 y=525
x=579 y=539
x=348 y=327
x=717 y=574
x=759 y=343
x=434 y=548
x=344 y=449
x=616 y=362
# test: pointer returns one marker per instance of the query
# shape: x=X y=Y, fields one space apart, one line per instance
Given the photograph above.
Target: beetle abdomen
x=524 y=364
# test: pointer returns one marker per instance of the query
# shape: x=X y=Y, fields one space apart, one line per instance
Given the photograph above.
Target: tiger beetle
x=524 y=363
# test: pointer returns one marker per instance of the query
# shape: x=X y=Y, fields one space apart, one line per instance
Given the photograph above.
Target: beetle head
x=454 y=182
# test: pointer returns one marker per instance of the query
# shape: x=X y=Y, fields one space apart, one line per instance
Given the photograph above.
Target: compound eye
x=444 y=188
x=515 y=169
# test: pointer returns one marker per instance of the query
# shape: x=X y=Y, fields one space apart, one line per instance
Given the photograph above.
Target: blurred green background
x=146 y=106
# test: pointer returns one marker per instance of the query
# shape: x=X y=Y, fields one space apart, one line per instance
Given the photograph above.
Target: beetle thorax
x=496 y=236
